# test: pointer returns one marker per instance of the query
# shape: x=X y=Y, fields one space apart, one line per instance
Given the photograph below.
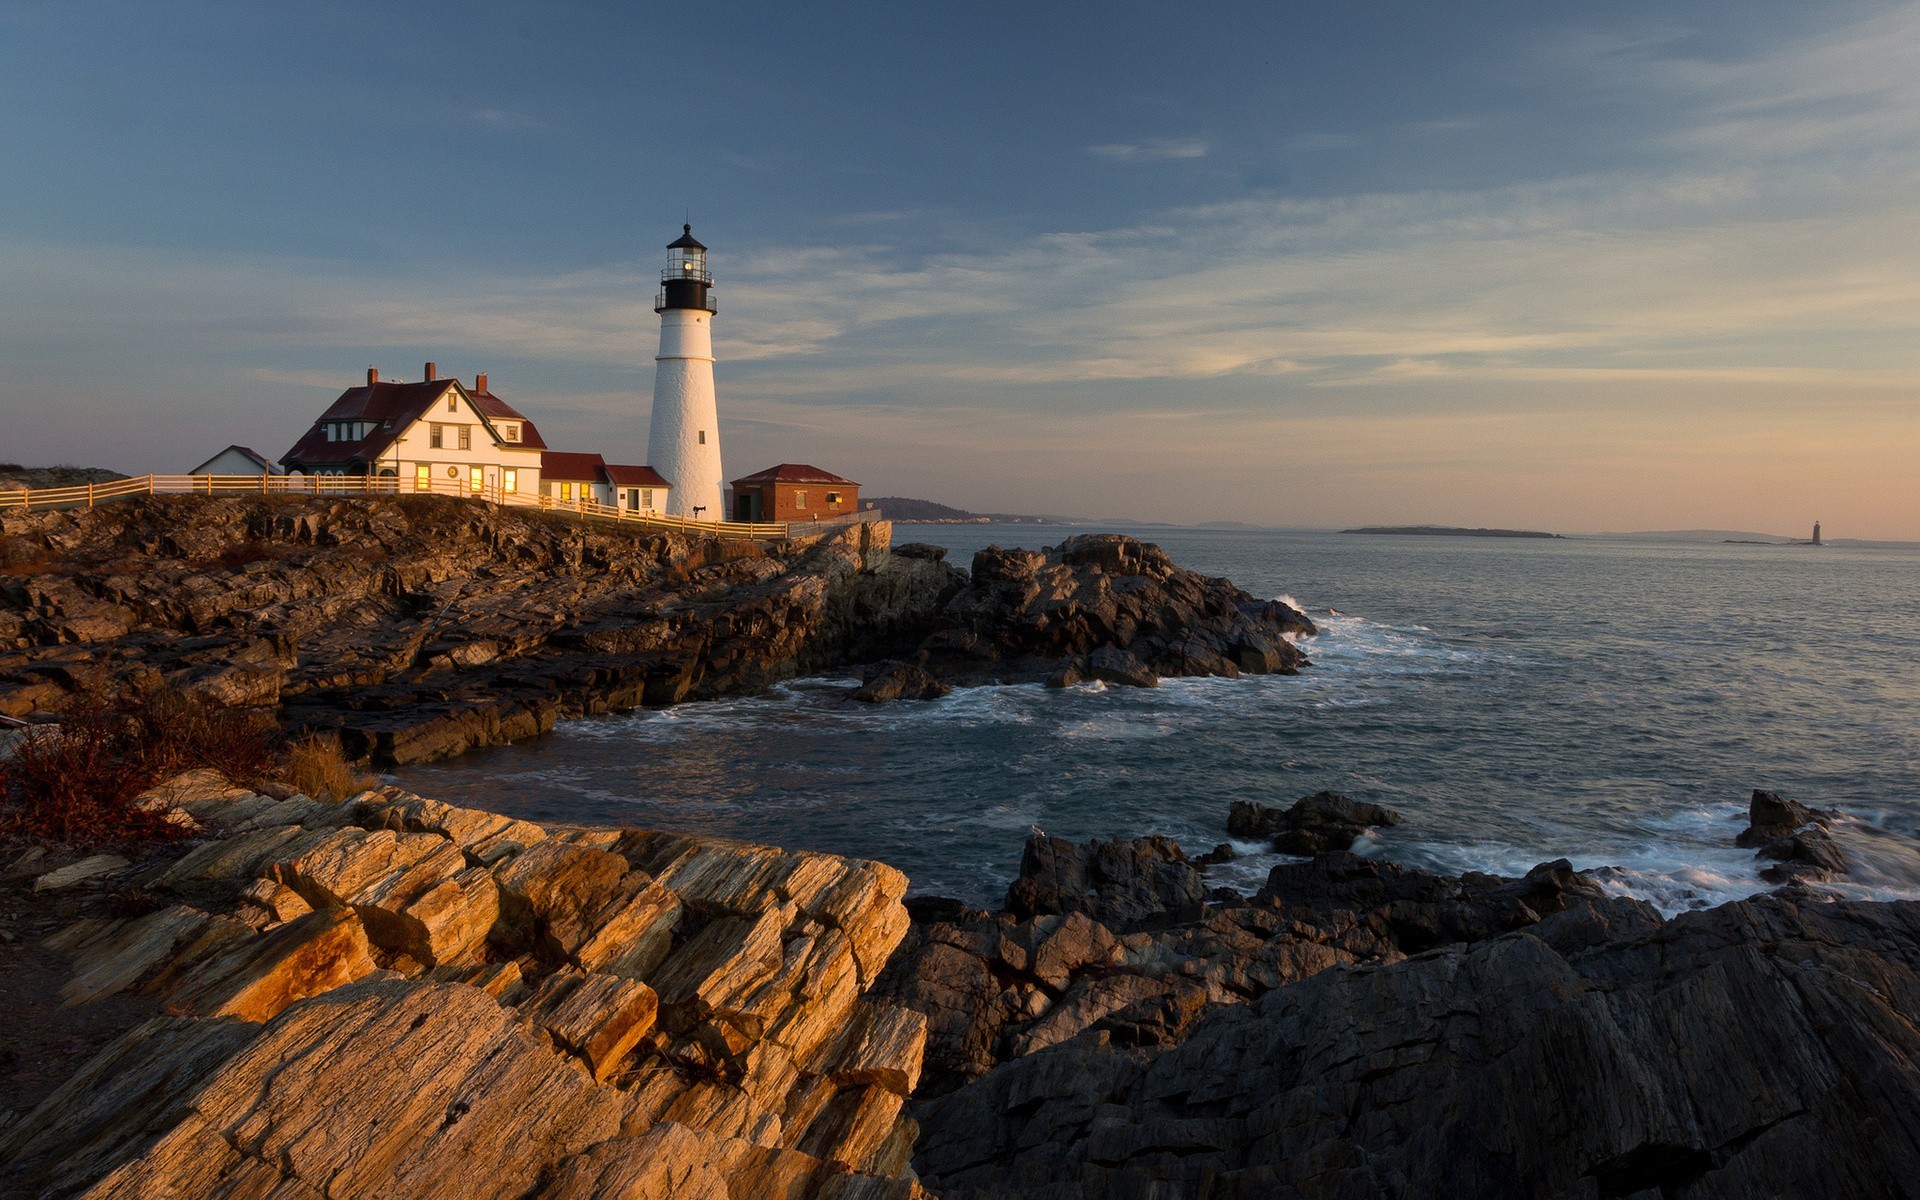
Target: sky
x=1553 y=265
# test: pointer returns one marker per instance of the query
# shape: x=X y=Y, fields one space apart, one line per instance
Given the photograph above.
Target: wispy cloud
x=1651 y=324
x=1324 y=141
x=1151 y=150
x=505 y=119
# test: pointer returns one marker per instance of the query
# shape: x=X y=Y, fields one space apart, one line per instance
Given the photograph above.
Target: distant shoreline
x=1451 y=531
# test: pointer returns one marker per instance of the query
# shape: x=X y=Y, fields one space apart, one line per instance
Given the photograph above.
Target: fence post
x=89 y=495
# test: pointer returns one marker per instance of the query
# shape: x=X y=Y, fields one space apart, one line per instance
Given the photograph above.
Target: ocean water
x=1610 y=701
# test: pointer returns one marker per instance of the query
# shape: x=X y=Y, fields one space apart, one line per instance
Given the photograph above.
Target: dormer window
x=509 y=433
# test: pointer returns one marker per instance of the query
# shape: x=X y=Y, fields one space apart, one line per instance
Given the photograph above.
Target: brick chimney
x=432 y=373
x=373 y=376
x=480 y=382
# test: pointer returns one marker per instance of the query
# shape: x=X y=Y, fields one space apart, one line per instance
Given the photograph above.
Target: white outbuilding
x=237 y=460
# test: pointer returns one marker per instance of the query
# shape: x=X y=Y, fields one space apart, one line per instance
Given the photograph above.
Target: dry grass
x=315 y=765
x=76 y=783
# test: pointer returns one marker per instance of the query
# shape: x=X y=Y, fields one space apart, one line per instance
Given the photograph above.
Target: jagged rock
x=1318 y=824
x=895 y=680
x=412 y=628
x=1112 y=665
x=600 y=1018
x=1067 y=944
x=633 y=983
x=98 y=866
x=1089 y=1001
x=1107 y=607
x=1793 y=835
x=961 y=1001
x=1123 y=884
x=1723 y=1053
x=257 y=977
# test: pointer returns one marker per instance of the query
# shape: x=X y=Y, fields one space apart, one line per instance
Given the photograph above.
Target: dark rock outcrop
x=1143 y=954
x=1795 y=836
x=1316 y=824
x=1765 y=1048
x=895 y=680
x=417 y=627
x=1106 y=607
x=1126 y=884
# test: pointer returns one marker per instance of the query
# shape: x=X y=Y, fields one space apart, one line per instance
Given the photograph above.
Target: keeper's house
x=793 y=492
x=435 y=433
x=569 y=478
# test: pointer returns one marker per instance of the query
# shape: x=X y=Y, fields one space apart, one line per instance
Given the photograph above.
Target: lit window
x=510 y=480
x=510 y=432
x=566 y=491
x=466 y=437
x=422 y=477
x=436 y=436
x=473 y=479
x=453 y=402
x=833 y=497
x=799 y=499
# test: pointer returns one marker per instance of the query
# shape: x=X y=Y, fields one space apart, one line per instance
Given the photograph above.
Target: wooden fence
x=90 y=494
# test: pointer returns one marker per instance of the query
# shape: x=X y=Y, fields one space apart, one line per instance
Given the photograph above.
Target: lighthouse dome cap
x=685 y=241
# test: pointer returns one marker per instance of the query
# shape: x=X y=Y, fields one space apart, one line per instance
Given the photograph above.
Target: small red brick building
x=793 y=492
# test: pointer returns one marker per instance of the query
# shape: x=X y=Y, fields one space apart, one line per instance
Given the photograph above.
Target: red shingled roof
x=497 y=409
x=621 y=475
x=795 y=473
x=563 y=464
x=393 y=407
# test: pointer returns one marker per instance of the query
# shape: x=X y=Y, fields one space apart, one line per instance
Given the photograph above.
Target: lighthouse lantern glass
x=689 y=262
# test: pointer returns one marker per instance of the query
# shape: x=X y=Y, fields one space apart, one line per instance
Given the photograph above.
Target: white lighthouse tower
x=683 y=442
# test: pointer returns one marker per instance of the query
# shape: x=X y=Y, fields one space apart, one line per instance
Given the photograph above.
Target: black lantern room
x=685 y=283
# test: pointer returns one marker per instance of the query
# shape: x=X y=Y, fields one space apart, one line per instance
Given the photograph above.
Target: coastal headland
x=380 y=995
x=1450 y=531
x=415 y=628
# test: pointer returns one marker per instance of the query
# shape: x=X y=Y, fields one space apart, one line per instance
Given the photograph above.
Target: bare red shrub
x=76 y=782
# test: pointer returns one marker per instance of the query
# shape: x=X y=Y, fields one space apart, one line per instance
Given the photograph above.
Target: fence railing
x=88 y=495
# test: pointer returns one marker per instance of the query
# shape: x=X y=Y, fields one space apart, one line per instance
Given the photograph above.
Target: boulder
x=900 y=681
x=1109 y=664
x=1795 y=837
x=1123 y=884
x=1318 y=824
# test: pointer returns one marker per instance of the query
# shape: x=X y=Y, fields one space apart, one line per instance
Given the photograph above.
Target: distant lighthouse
x=1816 y=533
x=683 y=442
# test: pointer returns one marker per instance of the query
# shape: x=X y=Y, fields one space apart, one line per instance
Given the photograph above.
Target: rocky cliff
x=1098 y=606
x=1359 y=1029
x=415 y=628
x=418 y=627
x=391 y=997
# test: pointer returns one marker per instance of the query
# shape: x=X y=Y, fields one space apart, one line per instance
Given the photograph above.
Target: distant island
x=905 y=511
x=1451 y=531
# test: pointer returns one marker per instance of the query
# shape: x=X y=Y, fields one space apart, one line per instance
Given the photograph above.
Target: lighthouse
x=683 y=442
